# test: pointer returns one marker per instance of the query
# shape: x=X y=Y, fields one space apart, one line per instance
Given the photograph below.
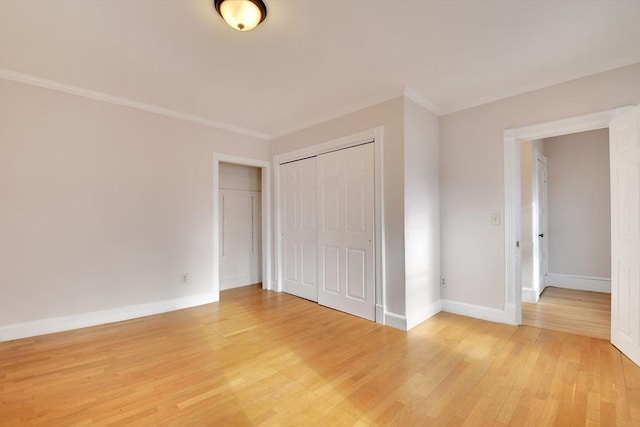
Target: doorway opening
x=566 y=233
x=240 y=226
x=242 y=222
x=513 y=139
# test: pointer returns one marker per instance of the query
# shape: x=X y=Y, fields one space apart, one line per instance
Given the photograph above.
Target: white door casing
x=624 y=147
x=540 y=229
x=512 y=138
x=299 y=231
x=346 y=271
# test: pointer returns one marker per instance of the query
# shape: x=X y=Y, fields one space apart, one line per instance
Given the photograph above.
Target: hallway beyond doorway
x=572 y=311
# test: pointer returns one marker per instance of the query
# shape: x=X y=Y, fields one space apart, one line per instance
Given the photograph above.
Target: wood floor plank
x=267 y=359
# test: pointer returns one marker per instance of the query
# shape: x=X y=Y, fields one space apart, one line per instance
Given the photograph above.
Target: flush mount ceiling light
x=242 y=15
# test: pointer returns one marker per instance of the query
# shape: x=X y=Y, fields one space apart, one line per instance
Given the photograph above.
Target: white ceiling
x=313 y=60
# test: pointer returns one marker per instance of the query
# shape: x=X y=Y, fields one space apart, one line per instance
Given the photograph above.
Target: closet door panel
x=299 y=233
x=346 y=279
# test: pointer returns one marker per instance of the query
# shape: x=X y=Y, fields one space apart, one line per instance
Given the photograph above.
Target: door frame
x=375 y=135
x=265 y=168
x=512 y=197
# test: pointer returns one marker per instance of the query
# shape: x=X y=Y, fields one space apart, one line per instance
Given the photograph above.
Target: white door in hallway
x=346 y=279
x=540 y=235
x=624 y=146
x=299 y=233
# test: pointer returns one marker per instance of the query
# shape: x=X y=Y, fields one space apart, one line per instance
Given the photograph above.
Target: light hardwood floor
x=263 y=358
x=568 y=310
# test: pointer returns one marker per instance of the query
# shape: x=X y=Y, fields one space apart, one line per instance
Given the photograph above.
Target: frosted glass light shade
x=242 y=15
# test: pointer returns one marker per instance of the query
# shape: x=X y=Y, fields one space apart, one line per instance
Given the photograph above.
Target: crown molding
x=535 y=86
x=125 y=102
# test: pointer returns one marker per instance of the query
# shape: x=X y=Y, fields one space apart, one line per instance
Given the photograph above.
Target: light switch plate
x=495 y=218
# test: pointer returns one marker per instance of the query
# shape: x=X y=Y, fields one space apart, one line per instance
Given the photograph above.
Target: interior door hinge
x=517 y=243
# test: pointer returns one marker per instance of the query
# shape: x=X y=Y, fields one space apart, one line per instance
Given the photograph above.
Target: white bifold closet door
x=327 y=205
x=299 y=231
x=346 y=269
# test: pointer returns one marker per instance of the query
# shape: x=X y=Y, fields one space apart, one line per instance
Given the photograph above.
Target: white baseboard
x=83 y=320
x=380 y=314
x=269 y=285
x=584 y=283
x=419 y=316
x=395 y=321
x=477 y=311
x=529 y=295
x=512 y=315
x=237 y=282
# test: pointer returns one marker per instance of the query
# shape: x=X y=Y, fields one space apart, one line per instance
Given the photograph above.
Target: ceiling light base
x=243 y=15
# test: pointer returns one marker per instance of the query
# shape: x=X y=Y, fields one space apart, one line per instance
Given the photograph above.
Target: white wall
x=472 y=174
x=579 y=204
x=240 y=177
x=102 y=206
x=390 y=115
x=421 y=213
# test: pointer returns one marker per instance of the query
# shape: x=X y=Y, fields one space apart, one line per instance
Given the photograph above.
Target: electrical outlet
x=184 y=278
x=442 y=282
